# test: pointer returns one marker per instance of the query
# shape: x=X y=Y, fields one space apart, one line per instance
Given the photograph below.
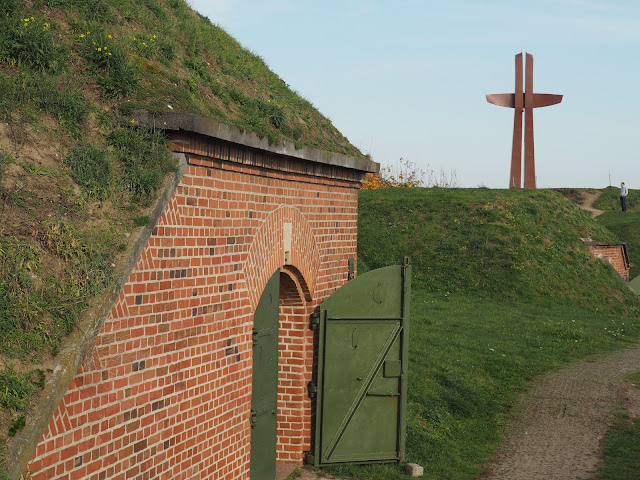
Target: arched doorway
x=282 y=367
x=265 y=382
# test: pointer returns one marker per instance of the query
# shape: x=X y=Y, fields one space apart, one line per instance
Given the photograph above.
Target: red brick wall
x=166 y=391
x=615 y=255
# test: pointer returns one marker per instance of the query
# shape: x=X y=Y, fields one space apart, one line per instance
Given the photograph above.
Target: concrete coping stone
x=189 y=122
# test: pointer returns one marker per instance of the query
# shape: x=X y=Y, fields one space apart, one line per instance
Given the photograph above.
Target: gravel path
x=558 y=423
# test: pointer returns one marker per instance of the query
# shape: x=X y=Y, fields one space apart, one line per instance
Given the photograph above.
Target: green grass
x=37 y=310
x=610 y=200
x=4 y=159
x=472 y=351
x=91 y=170
x=143 y=158
x=621 y=447
x=621 y=451
x=507 y=244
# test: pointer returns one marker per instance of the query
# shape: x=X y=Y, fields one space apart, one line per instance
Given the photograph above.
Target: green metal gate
x=362 y=369
x=265 y=382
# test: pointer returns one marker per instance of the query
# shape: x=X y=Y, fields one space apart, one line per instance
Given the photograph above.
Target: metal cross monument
x=523 y=101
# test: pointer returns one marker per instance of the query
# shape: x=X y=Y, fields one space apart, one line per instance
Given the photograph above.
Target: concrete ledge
x=189 y=122
x=79 y=343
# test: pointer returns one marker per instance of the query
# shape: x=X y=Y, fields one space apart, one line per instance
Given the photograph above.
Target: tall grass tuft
x=109 y=61
x=26 y=41
x=4 y=158
x=143 y=157
x=91 y=170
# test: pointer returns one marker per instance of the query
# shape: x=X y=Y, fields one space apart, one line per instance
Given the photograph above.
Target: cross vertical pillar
x=523 y=101
x=529 y=154
x=516 y=147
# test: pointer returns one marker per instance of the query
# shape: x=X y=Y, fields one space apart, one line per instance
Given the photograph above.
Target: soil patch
x=586 y=200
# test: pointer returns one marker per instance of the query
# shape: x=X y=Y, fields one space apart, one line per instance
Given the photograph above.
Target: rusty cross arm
x=509 y=99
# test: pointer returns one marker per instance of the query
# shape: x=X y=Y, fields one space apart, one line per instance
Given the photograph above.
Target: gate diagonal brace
x=371 y=375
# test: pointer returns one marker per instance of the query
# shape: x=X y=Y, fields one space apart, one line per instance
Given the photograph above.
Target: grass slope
x=481 y=325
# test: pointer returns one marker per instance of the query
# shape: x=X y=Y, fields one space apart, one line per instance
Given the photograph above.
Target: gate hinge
x=314 y=321
x=312 y=389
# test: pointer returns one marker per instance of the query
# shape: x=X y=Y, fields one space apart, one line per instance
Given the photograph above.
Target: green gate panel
x=264 y=398
x=362 y=361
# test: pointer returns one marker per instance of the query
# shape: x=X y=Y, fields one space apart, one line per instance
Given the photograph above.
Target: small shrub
x=15 y=389
x=374 y=181
x=17 y=426
x=142 y=220
x=91 y=170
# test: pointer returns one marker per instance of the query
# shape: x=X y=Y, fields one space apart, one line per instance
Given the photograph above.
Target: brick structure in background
x=165 y=392
x=616 y=255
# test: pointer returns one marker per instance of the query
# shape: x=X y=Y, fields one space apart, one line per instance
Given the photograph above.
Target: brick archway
x=267 y=252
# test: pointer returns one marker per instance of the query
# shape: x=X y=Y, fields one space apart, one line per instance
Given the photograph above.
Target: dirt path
x=557 y=425
x=587 y=198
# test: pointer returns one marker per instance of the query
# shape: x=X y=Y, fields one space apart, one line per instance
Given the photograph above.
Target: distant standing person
x=623 y=197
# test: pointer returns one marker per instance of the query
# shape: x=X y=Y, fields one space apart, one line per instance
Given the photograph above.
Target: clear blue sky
x=408 y=79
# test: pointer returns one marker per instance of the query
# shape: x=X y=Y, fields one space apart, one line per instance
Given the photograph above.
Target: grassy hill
x=508 y=244
x=77 y=178
x=503 y=291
